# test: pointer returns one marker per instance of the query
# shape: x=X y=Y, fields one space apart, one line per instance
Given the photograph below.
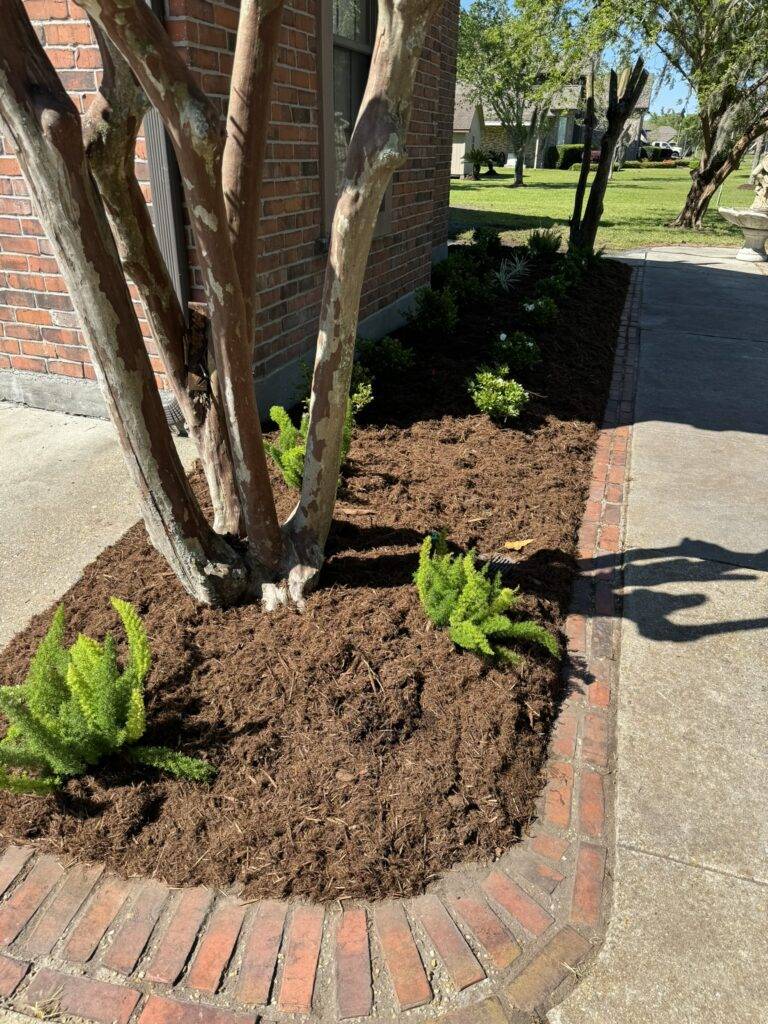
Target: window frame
x=327 y=41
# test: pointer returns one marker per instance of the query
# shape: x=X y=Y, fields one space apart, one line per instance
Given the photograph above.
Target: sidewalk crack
x=692 y=864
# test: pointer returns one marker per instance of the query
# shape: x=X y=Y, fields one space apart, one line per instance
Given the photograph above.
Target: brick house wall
x=40 y=339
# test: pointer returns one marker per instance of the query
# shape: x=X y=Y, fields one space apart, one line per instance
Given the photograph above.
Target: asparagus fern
x=76 y=707
x=473 y=604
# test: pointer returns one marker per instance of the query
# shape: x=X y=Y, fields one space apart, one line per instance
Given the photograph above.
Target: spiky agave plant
x=473 y=604
x=76 y=707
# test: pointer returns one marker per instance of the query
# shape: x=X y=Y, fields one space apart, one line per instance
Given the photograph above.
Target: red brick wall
x=38 y=329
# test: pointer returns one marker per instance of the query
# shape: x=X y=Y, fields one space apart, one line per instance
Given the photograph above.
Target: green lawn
x=638 y=206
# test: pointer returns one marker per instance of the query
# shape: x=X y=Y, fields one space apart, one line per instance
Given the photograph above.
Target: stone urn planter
x=753 y=221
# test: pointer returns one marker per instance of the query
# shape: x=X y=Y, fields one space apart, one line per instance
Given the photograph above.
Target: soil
x=360 y=754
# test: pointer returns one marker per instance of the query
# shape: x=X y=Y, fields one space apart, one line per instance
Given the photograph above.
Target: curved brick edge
x=488 y=946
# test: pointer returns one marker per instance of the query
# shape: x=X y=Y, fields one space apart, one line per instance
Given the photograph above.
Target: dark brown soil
x=360 y=754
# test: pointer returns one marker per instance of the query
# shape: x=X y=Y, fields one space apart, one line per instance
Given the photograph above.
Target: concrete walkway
x=65 y=496
x=688 y=937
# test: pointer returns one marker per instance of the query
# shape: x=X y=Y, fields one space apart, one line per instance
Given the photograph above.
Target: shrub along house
x=322 y=69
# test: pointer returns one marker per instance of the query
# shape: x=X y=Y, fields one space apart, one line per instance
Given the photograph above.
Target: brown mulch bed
x=360 y=754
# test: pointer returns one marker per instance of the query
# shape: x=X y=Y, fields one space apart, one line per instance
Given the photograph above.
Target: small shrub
x=544 y=242
x=76 y=707
x=512 y=271
x=385 y=358
x=496 y=394
x=518 y=351
x=554 y=286
x=694 y=163
x=467 y=277
x=476 y=157
x=541 y=311
x=632 y=164
x=568 y=155
x=290 y=447
x=435 y=312
x=486 y=243
x=473 y=604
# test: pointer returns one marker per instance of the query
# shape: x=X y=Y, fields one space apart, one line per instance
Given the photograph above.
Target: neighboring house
x=468 y=128
x=661 y=135
x=563 y=127
x=321 y=73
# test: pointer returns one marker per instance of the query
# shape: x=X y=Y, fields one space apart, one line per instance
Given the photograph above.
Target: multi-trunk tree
x=720 y=48
x=624 y=91
x=80 y=175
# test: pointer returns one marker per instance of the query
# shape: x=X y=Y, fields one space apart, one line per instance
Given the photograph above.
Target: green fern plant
x=544 y=242
x=473 y=604
x=76 y=707
x=290 y=447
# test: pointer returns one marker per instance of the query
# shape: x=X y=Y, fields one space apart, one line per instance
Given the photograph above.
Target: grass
x=638 y=206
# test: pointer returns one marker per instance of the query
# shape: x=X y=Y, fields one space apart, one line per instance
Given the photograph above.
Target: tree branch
x=110 y=127
x=45 y=129
x=376 y=151
x=248 y=119
x=196 y=133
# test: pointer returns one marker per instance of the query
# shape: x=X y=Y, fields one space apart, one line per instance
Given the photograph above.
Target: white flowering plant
x=518 y=350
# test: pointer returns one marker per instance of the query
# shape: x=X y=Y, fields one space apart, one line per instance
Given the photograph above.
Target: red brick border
x=487 y=946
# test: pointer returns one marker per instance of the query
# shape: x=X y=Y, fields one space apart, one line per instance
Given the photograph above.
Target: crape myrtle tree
x=624 y=91
x=80 y=174
x=513 y=57
x=720 y=48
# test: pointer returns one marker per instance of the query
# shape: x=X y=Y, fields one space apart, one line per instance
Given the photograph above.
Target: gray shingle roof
x=463 y=109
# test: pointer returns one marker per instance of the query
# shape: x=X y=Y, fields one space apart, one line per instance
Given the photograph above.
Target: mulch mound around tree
x=360 y=754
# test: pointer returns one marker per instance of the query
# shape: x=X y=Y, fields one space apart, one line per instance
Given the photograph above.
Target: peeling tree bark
x=196 y=133
x=110 y=127
x=248 y=119
x=45 y=130
x=376 y=151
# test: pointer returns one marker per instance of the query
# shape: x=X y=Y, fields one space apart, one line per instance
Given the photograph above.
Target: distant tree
x=720 y=48
x=514 y=56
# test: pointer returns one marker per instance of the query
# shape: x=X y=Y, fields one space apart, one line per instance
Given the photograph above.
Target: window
x=354 y=29
x=348 y=34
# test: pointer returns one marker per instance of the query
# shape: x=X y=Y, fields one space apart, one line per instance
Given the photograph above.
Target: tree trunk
x=623 y=96
x=519 y=168
x=194 y=127
x=574 y=239
x=110 y=127
x=710 y=176
x=44 y=127
x=248 y=120
x=376 y=151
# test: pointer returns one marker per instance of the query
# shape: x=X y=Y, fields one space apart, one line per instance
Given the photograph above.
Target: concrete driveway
x=65 y=496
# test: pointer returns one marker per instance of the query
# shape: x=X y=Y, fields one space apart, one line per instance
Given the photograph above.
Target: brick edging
x=487 y=946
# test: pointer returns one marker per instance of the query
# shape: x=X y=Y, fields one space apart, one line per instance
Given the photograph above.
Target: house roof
x=463 y=109
x=661 y=133
x=568 y=99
